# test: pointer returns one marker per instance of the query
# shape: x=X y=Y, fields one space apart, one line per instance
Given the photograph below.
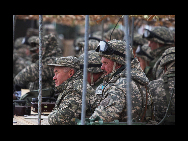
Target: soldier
x=138 y=40
x=163 y=89
x=117 y=34
x=144 y=57
x=160 y=39
x=68 y=86
x=113 y=90
x=95 y=74
x=31 y=72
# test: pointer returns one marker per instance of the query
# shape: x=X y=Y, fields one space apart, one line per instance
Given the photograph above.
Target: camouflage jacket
x=150 y=70
x=30 y=74
x=113 y=104
x=69 y=101
x=163 y=89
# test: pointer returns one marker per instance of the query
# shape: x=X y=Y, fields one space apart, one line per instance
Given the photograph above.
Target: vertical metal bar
x=132 y=31
x=40 y=68
x=128 y=71
x=85 y=71
x=102 y=29
x=14 y=23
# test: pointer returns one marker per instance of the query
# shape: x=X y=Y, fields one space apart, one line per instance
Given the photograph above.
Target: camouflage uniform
x=163 y=89
x=31 y=72
x=113 y=103
x=166 y=36
x=117 y=34
x=69 y=101
x=138 y=40
x=94 y=66
x=20 y=58
x=91 y=46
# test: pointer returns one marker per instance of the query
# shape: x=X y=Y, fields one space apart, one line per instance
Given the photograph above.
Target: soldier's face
x=107 y=65
x=60 y=75
x=153 y=45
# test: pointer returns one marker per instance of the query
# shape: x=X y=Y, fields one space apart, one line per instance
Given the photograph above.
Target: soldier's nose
x=54 y=78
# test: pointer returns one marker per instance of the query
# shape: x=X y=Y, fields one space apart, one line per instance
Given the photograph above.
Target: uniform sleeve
x=69 y=108
x=110 y=108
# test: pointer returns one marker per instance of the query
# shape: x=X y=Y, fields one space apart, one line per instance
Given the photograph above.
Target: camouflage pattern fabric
x=93 y=59
x=164 y=33
x=117 y=45
x=138 y=40
x=158 y=87
x=117 y=34
x=157 y=53
x=113 y=103
x=69 y=102
x=68 y=61
x=34 y=39
x=30 y=74
x=91 y=46
x=146 y=55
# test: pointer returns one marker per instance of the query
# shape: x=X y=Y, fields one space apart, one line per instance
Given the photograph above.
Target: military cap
x=161 y=35
x=119 y=46
x=144 y=52
x=117 y=34
x=34 y=42
x=94 y=62
x=168 y=56
x=68 y=61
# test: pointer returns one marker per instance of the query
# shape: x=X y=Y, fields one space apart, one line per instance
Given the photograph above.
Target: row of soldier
x=152 y=78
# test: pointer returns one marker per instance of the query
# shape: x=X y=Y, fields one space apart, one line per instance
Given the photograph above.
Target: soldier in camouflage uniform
x=69 y=101
x=31 y=72
x=138 y=40
x=160 y=39
x=113 y=90
x=163 y=89
x=144 y=57
x=95 y=74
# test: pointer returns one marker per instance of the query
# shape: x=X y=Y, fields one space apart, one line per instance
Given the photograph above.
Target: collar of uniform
x=158 y=52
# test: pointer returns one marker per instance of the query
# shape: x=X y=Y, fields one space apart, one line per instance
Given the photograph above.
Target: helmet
x=113 y=50
x=144 y=52
x=159 y=34
x=94 y=61
x=117 y=34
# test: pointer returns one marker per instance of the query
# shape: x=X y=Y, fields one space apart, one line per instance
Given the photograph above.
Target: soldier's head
x=117 y=34
x=64 y=68
x=34 y=44
x=94 y=66
x=113 y=54
x=158 y=36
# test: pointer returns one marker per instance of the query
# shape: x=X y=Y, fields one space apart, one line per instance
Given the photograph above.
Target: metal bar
x=102 y=29
x=40 y=68
x=14 y=23
x=128 y=71
x=85 y=71
x=132 y=31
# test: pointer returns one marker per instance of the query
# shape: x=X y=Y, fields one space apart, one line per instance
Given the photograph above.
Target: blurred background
x=68 y=28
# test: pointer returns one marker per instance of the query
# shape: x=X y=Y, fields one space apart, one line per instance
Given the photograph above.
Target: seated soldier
x=113 y=104
x=68 y=85
x=163 y=89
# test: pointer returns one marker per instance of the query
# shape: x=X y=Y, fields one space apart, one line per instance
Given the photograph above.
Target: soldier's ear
x=71 y=72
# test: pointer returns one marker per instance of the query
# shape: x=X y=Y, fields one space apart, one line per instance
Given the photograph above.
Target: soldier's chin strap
x=92 y=83
x=114 y=66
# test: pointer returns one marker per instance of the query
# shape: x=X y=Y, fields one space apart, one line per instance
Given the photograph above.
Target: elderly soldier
x=31 y=74
x=160 y=39
x=68 y=81
x=113 y=103
x=163 y=89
